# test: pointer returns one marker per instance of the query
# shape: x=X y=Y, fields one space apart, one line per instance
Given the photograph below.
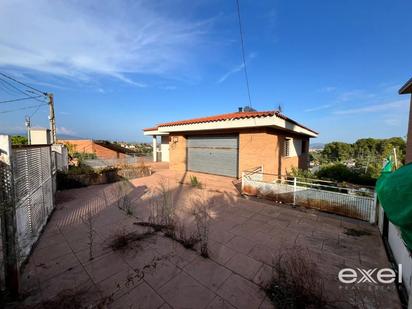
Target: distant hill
x=66 y=136
x=316 y=145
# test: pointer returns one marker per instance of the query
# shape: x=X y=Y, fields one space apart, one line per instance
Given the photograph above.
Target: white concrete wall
x=295 y=147
x=164 y=148
x=40 y=137
x=401 y=255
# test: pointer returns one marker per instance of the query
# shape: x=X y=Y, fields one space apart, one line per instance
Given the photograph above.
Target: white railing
x=323 y=195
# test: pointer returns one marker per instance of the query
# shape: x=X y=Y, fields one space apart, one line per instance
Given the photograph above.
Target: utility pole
x=52 y=118
x=28 y=126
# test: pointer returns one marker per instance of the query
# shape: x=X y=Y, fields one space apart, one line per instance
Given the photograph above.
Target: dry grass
x=296 y=282
x=201 y=211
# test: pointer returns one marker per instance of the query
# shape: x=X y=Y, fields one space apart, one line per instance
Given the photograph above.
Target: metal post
x=8 y=218
x=372 y=218
x=154 y=149
x=52 y=118
x=294 y=190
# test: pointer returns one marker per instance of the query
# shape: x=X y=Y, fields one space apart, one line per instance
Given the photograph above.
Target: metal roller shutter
x=216 y=154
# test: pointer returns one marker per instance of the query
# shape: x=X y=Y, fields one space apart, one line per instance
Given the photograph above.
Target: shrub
x=341 y=173
x=295 y=282
x=194 y=182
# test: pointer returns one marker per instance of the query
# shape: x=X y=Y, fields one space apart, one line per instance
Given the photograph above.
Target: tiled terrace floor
x=244 y=236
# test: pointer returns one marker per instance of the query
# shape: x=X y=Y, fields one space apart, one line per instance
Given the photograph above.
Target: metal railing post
x=372 y=218
x=294 y=190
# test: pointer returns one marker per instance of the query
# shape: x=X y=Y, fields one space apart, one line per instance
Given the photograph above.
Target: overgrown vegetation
x=201 y=213
x=19 y=140
x=83 y=176
x=163 y=218
x=360 y=162
x=296 y=282
x=337 y=172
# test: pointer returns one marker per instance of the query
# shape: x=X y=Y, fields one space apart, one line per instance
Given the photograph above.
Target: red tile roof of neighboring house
x=230 y=116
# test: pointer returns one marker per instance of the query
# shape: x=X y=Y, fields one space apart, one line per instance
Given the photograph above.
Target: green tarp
x=394 y=191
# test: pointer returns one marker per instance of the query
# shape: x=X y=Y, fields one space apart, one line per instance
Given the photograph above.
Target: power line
x=22 y=108
x=21 y=83
x=243 y=52
x=20 y=99
x=16 y=88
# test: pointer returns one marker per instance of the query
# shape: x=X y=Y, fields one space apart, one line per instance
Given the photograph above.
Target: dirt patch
x=123 y=241
x=356 y=232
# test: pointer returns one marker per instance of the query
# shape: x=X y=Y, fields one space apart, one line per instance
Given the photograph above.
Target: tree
x=19 y=140
x=337 y=152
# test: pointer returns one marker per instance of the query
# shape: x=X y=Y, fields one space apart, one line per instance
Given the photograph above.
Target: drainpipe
x=154 y=149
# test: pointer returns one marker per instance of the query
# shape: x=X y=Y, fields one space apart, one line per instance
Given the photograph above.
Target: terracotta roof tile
x=230 y=116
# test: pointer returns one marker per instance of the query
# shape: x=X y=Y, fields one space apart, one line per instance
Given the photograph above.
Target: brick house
x=231 y=143
x=102 y=149
x=407 y=89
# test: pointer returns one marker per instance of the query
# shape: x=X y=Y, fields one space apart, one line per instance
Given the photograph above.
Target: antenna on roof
x=279 y=108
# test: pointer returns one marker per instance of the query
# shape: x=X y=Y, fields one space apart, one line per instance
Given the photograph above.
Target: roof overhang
x=154 y=132
x=407 y=88
x=269 y=121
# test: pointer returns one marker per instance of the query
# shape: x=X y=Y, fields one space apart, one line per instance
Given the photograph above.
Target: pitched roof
x=229 y=116
x=407 y=88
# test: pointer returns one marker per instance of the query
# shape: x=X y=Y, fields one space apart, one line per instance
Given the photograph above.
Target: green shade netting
x=394 y=191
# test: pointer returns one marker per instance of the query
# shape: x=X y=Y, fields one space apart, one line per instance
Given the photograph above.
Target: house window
x=286 y=147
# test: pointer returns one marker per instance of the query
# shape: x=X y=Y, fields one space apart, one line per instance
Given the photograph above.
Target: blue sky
x=121 y=66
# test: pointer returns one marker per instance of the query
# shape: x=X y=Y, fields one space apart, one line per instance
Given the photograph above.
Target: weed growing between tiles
x=296 y=282
x=88 y=221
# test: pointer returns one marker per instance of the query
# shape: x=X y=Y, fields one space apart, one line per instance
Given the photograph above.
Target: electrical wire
x=243 y=52
x=20 y=99
x=22 y=108
x=21 y=83
x=16 y=88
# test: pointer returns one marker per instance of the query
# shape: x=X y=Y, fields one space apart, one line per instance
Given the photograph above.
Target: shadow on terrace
x=142 y=243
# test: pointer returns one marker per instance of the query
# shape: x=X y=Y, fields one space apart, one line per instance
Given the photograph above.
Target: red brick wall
x=89 y=146
x=257 y=147
x=177 y=152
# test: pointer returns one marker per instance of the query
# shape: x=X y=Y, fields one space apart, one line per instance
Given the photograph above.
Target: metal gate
x=33 y=173
x=213 y=154
x=27 y=187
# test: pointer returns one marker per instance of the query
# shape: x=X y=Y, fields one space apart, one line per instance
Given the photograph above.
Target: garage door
x=213 y=154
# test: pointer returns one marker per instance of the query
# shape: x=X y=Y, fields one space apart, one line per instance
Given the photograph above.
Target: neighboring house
x=102 y=149
x=229 y=144
x=407 y=88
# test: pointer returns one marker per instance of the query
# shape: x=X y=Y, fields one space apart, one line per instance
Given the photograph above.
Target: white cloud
x=76 y=39
x=235 y=69
x=390 y=106
x=232 y=71
x=63 y=130
x=328 y=89
x=318 y=108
